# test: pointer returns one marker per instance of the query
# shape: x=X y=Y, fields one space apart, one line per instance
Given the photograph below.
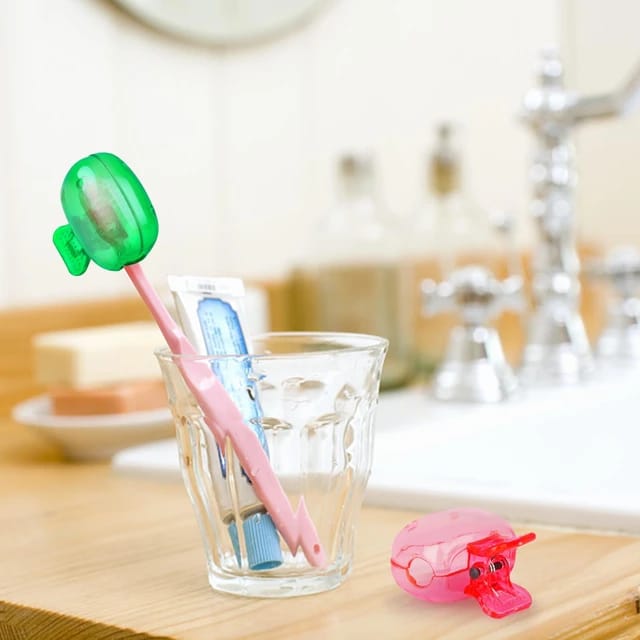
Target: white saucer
x=94 y=437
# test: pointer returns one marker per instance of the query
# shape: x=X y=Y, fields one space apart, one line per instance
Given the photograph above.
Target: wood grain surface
x=86 y=553
x=88 y=545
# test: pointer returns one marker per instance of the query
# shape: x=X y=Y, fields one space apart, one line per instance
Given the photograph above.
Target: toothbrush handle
x=225 y=421
x=173 y=335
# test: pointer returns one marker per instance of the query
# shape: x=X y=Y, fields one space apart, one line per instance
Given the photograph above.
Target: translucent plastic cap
x=111 y=218
x=263 y=543
x=449 y=555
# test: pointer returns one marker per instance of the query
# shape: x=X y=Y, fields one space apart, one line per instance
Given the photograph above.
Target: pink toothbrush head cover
x=460 y=553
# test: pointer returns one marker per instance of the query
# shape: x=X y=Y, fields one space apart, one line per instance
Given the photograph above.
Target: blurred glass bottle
x=446 y=231
x=447 y=224
x=361 y=282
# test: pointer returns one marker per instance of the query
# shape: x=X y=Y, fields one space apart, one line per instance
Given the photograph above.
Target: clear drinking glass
x=316 y=394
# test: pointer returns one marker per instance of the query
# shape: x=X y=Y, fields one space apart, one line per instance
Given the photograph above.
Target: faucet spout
x=557 y=349
x=617 y=103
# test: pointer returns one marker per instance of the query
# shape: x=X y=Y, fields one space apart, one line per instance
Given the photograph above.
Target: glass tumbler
x=311 y=402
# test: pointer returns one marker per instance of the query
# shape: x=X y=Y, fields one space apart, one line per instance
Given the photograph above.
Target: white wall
x=236 y=147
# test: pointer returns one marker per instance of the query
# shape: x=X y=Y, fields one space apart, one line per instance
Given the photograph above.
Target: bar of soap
x=97 y=356
x=126 y=397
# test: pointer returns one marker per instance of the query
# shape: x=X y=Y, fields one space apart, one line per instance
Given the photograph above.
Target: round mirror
x=222 y=22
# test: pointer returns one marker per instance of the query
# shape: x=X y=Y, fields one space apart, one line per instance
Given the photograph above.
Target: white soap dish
x=96 y=437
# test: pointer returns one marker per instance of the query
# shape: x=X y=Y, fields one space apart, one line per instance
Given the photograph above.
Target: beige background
x=236 y=146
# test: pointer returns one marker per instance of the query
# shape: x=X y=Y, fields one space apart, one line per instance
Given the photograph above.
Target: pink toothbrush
x=112 y=222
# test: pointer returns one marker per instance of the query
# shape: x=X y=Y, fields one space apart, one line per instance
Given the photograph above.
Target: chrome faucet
x=557 y=349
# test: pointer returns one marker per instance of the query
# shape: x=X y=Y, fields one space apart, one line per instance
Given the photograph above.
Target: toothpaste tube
x=210 y=311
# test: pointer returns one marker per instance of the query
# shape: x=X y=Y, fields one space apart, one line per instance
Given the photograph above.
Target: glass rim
x=353 y=343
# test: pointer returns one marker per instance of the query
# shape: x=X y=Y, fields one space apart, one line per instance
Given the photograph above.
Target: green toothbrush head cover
x=111 y=219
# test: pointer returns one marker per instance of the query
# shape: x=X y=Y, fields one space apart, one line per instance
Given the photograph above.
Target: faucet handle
x=474 y=368
x=437 y=297
x=621 y=268
x=619 y=102
x=473 y=291
x=620 y=338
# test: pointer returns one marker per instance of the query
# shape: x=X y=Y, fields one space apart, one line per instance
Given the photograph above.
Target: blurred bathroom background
x=238 y=145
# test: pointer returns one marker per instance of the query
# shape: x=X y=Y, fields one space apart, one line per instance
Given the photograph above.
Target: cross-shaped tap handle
x=474 y=292
x=621 y=268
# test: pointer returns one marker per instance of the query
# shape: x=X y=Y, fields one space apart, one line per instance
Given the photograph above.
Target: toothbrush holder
x=315 y=395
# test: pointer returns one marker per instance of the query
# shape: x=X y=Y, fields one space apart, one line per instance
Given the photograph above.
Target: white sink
x=566 y=456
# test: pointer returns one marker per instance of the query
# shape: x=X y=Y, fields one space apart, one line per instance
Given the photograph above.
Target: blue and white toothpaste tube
x=211 y=312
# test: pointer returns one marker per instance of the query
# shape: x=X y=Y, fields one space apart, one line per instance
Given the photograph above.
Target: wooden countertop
x=87 y=553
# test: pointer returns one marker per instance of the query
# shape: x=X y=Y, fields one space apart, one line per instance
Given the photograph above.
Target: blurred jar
x=448 y=225
x=360 y=279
